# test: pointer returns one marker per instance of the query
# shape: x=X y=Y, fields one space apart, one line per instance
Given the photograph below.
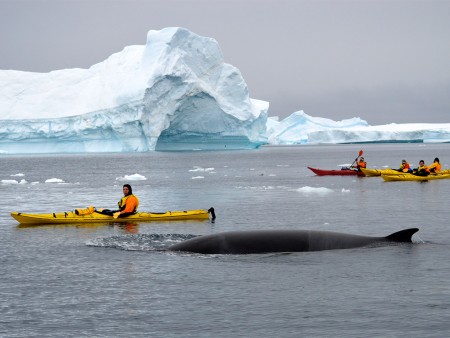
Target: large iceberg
x=174 y=93
x=300 y=128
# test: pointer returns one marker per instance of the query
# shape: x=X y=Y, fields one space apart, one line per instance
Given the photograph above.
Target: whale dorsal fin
x=402 y=236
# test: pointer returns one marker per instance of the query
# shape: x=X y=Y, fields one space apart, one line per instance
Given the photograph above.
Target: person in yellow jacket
x=422 y=169
x=435 y=167
x=128 y=204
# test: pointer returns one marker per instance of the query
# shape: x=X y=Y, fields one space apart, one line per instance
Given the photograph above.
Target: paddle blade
x=360 y=153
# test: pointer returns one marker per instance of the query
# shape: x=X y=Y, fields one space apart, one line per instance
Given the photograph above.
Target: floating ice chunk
x=9 y=182
x=197 y=177
x=17 y=175
x=134 y=177
x=344 y=191
x=196 y=169
x=54 y=180
x=316 y=191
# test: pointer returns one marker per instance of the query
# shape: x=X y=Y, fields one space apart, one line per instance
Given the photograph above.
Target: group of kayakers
x=421 y=170
x=129 y=203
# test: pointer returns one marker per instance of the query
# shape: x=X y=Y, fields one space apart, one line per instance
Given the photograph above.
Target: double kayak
x=96 y=217
x=388 y=171
x=411 y=177
x=341 y=172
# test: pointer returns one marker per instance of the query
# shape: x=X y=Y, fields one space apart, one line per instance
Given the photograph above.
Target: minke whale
x=266 y=241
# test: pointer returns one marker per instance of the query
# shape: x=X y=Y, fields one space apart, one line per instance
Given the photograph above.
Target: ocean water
x=112 y=280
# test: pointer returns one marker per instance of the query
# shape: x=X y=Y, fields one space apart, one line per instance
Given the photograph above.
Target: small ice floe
x=282 y=165
x=314 y=191
x=6 y=182
x=17 y=175
x=200 y=169
x=258 y=188
x=9 y=182
x=134 y=177
x=197 y=177
x=345 y=191
x=54 y=180
x=34 y=183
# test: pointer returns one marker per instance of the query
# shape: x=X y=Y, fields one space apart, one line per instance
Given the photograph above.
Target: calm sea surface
x=114 y=281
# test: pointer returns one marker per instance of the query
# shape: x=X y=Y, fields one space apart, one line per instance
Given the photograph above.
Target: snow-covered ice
x=174 y=93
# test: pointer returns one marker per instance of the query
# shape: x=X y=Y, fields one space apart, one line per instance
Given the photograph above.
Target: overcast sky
x=384 y=61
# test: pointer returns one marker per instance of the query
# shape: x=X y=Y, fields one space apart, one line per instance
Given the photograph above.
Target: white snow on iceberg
x=174 y=93
x=296 y=128
x=300 y=128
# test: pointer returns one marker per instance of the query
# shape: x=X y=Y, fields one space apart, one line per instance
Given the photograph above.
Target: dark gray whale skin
x=265 y=241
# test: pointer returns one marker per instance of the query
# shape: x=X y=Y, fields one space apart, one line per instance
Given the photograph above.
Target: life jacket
x=423 y=170
x=435 y=167
x=123 y=202
x=362 y=164
x=404 y=167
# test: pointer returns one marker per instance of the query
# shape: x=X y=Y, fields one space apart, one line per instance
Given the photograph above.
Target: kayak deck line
x=71 y=217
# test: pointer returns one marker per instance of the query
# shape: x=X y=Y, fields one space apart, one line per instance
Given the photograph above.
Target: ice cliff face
x=174 y=93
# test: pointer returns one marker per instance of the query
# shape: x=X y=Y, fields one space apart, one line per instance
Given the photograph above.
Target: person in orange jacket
x=128 y=204
x=422 y=170
x=405 y=167
x=361 y=164
x=435 y=167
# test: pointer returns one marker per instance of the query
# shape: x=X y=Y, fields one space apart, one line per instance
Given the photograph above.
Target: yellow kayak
x=95 y=217
x=379 y=172
x=411 y=177
x=388 y=171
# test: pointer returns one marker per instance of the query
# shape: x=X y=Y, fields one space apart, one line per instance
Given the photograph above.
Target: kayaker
x=361 y=164
x=435 y=167
x=422 y=170
x=128 y=204
x=405 y=167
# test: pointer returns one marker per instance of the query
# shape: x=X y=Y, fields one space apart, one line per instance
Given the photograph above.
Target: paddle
x=356 y=159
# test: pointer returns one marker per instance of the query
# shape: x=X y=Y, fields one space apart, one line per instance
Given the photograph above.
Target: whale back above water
x=265 y=241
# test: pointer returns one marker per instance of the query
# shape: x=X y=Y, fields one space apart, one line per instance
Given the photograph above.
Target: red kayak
x=342 y=172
